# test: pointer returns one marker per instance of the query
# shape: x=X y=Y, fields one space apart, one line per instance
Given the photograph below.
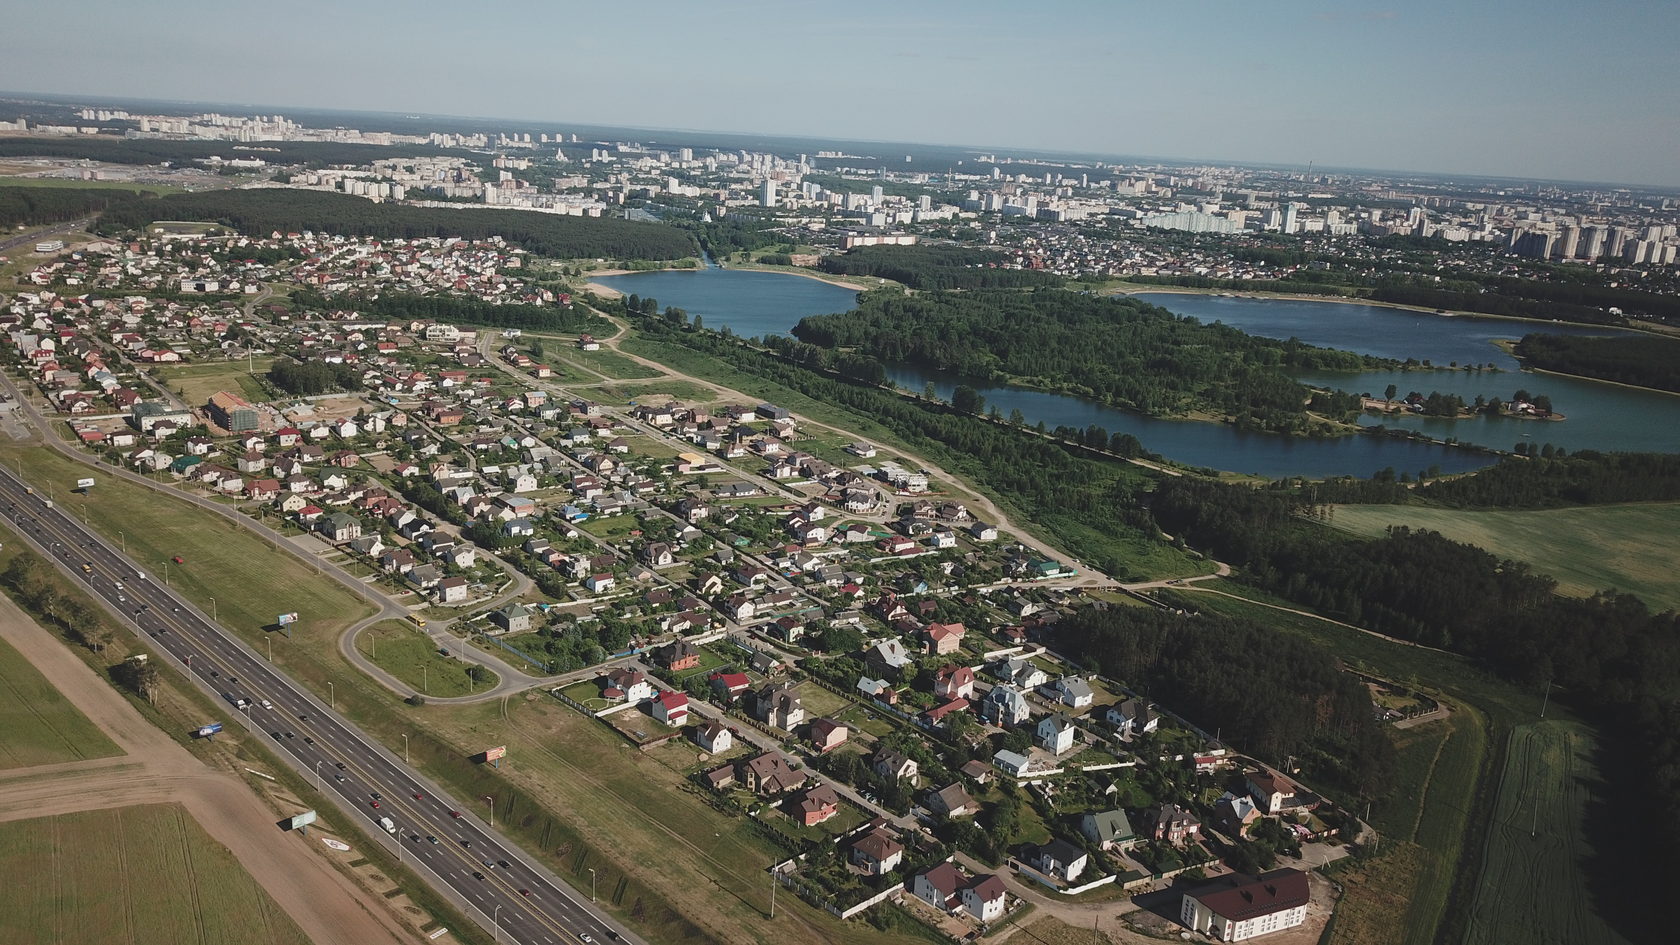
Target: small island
x=1522 y=405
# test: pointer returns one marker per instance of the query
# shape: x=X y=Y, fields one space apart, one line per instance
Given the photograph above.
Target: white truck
x=389 y=825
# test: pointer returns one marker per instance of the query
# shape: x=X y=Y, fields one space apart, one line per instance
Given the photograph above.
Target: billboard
x=286 y=620
x=303 y=820
x=84 y=483
x=495 y=754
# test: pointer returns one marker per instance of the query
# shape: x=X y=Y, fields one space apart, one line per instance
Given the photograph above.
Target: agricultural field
x=196 y=382
x=130 y=876
x=1533 y=887
x=406 y=652
x=1587 y=549
x=38 y=726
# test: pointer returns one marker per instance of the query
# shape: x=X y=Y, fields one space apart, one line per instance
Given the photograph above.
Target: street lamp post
x=405 y=748
x=332 y=696
x=318 y=785
x=496 y=924
x=490 y=802
x=591 y=884
x=213 y=617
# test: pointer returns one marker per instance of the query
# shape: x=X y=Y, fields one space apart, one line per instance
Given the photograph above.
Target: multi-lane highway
x=441 y=837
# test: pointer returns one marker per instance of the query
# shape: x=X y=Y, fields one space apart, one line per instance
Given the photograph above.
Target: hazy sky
x=1534 y=88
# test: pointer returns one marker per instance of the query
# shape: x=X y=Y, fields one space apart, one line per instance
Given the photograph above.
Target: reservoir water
x=1601 y=416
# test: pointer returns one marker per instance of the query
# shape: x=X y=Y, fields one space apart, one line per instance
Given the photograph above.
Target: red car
x=375 y=803
x=178 y=559
x=455 y=814
x=419 y=797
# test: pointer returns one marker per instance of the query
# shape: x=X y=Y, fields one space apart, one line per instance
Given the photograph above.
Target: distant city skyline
x=1540 y=89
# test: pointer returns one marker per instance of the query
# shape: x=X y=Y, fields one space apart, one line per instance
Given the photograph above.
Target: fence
x=546 y=667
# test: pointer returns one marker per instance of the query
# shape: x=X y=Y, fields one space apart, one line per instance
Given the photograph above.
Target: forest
x=115 y=150
x=1607 y=655
x=1642 y=360
x=1123 y=352
x=936 y=267
x=32 y=206
x=1587 y=477
x=260 y=212
x=459 y=310
x=307 y=378
x=1272 y=694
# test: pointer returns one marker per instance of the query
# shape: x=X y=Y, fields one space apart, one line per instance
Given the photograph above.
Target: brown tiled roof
x=1239 y=898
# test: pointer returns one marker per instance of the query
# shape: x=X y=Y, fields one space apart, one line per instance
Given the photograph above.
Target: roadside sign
x=286 y=620
x=84 y=483
x=303 y=820
x=495 y=754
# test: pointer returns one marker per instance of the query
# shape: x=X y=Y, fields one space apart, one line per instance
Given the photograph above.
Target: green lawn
x=406 y=652
x=130 y=876
x=605 y=362
x=656 y=392
x=38 y=726
x=1533 y=887
x=196 y=382
x=1628 y=547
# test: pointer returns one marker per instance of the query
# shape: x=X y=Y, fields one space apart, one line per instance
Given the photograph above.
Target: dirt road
x=325 y=903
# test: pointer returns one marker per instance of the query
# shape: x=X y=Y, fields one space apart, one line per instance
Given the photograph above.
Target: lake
x=750 y=304
x=1602 y=416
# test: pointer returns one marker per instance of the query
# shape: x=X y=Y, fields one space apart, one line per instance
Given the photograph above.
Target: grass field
x=196 y=382
x=69 y=183
x=655 y=392
x=133 y=875
x=251 y=581
x=1628 y=547
x=38 y=726
x=605 y=362
x=1532 y=886
x=406 y=652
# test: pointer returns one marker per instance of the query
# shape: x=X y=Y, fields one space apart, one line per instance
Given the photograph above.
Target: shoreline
x=609 y=292
x=1134 y=289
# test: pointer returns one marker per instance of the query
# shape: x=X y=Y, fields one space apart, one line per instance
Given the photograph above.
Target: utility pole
x=1546 y=698
x=772 y=892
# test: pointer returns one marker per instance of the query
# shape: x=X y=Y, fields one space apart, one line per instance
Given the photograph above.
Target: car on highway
x=431 y=839
x=418 y=796
x=265 y=703
x=455 y=814
x=339 y=765
x=291 y=734
x=525 y=892
x=478 y=874
x=376 y=805
x=504 y=864
x=378 y=796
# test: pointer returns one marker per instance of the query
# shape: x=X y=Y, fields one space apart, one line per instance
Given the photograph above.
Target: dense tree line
x=461 y=310
x=936 y=267
x=1121 y=351
x=116 y=150
x=260 y=212
x=1269 y=693
x=307 y=378
x=1584 y=478
x=31 y=206
x=723 y=238
x=1644 y=360
x=1608 y=654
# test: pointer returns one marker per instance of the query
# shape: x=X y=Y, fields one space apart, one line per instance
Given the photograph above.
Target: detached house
x=877 y=852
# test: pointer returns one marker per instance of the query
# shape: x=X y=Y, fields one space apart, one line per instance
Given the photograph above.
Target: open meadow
x=406 y=652
x=196 y=382
x=130 y=876
x=38 y=726
x=1587 y=549
x=1533 y=885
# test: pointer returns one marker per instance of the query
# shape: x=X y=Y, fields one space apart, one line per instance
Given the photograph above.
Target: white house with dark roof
x=1236 y=907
